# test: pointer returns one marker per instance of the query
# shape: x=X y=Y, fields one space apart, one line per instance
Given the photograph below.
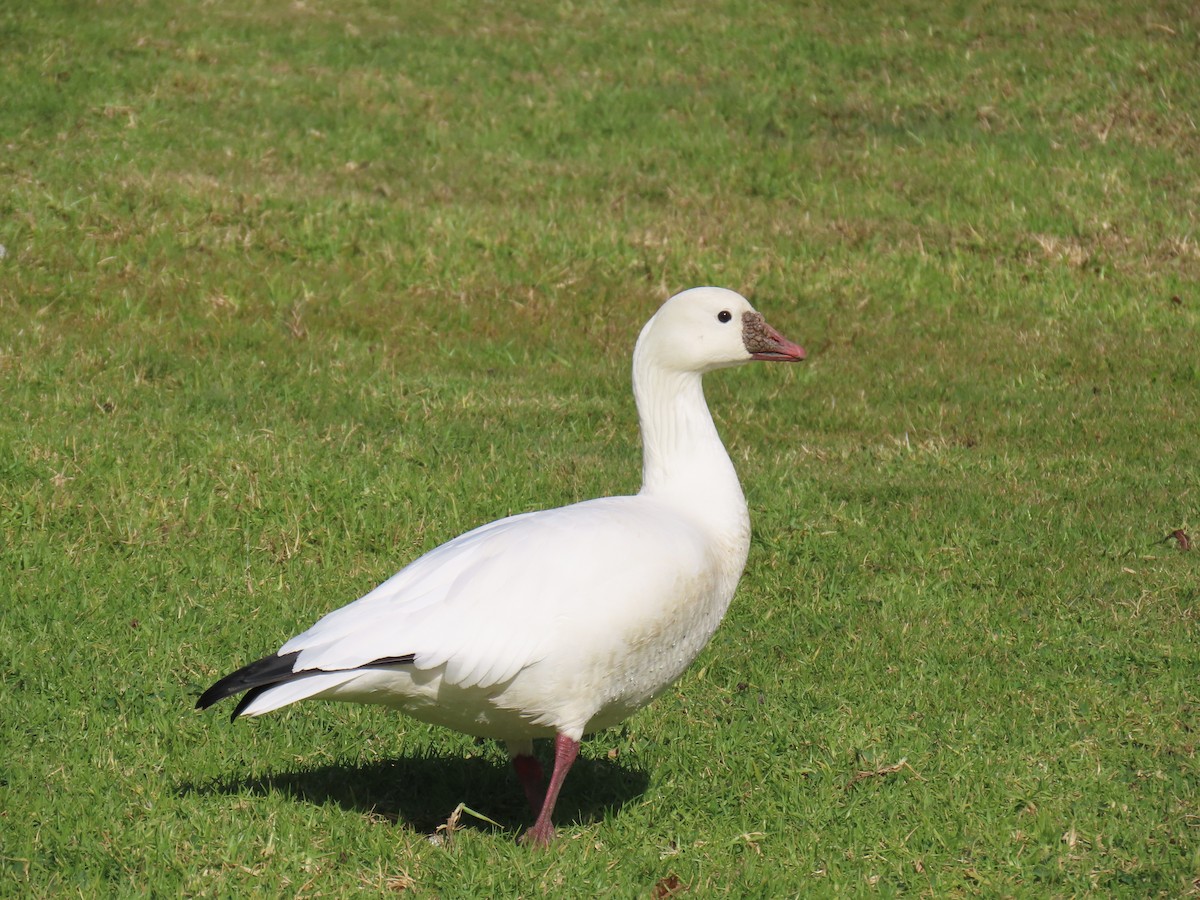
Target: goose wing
x=502 y=597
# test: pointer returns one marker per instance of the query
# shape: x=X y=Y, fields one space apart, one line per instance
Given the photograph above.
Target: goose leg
x=542 y=832
x=529 y=773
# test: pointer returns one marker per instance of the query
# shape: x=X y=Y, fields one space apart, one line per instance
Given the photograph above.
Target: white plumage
x=564 y=621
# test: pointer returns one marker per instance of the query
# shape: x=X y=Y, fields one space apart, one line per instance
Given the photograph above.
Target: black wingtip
x=247 y=699
x=260 y=674
x=264 y=674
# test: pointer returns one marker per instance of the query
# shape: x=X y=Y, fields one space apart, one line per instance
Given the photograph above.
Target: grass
x=293 y=291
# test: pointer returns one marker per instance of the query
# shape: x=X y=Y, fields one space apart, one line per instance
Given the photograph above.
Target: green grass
x=293 y=291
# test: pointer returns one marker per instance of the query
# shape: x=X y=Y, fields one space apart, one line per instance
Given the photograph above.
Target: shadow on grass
x=421 y=792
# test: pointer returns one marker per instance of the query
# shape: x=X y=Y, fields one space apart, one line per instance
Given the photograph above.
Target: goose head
x=708 y=328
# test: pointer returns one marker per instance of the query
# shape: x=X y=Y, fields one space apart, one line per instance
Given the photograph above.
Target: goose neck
x=683 y=455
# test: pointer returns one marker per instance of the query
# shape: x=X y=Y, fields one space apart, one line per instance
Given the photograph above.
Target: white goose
x=560 y=622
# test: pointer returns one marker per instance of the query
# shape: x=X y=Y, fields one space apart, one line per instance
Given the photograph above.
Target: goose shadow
x=421 y=791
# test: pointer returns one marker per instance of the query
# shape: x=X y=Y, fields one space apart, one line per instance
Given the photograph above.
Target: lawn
x=292 y=291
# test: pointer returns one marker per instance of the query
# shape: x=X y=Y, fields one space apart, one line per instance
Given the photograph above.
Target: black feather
x=249 y=698
x=404 y=660
x=266 y=673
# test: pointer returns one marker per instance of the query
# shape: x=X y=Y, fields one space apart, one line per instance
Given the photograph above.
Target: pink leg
x=529 y=773
x=542 y=832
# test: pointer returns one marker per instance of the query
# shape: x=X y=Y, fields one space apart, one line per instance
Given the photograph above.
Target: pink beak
x=774 y=347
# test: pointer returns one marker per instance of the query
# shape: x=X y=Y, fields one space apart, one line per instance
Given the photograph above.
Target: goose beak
x=765 y=343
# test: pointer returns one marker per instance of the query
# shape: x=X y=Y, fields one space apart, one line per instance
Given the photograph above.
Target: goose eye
x=724 y=315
